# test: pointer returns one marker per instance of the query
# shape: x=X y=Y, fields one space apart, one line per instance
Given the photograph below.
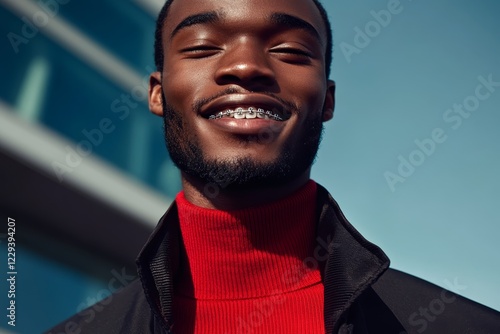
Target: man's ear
x=329 y=105
x=155 y=94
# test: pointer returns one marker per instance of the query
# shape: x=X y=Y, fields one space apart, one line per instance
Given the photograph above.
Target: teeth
x=249 y=113
x=239 y=114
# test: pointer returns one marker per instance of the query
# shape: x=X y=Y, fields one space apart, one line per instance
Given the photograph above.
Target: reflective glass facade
x=49 y=84
x=79 y=69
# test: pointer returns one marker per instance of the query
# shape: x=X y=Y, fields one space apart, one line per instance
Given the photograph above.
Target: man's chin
x=241 y=173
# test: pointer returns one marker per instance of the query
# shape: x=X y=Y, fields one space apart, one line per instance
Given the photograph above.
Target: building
x=83 y=165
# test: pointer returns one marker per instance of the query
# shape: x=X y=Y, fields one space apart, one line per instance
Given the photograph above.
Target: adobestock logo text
x=39 y=19
x=454 y=116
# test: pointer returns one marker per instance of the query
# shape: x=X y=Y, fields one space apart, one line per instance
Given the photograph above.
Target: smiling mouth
x=250 y=113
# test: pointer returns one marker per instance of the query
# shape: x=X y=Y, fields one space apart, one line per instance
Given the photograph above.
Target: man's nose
x=246 y=64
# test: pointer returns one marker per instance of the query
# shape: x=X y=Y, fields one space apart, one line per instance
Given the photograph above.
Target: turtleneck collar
x=248 y=253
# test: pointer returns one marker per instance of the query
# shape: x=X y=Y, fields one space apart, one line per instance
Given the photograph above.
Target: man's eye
x=200 y=51
x=292 y=55
x=293 y=51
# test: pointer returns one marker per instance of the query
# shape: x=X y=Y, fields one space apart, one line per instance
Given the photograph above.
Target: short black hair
x=160 y=22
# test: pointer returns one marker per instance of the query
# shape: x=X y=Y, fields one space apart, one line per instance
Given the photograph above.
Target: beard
x=239 y=173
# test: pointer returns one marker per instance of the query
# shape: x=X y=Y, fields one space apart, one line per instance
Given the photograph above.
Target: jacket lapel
x=352 y=264
x=157 y=264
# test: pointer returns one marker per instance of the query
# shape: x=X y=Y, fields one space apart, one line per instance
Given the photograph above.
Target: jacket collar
x=349 y=263
x=353 y=263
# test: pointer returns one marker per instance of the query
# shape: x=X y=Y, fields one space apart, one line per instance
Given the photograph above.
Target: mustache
x=198 y=105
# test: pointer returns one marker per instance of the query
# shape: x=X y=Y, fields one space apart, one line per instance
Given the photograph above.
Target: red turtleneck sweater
x=246 y=271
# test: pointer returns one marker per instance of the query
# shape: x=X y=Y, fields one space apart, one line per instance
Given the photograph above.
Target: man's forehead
x=244 y=9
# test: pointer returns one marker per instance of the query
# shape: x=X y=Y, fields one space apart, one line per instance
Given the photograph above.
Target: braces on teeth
x=251 y=112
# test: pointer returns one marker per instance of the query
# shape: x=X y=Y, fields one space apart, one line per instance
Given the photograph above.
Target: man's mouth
x=248 y=107
x=249 y=113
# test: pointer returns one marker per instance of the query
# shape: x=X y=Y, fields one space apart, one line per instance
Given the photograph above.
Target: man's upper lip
x=233 y=101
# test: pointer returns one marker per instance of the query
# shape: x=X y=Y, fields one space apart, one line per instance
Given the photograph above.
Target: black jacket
x=361 y=294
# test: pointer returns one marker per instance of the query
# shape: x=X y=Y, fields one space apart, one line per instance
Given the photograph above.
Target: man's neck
x=215 y=196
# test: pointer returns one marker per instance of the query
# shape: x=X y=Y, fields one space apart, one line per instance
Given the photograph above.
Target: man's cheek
x=307 y=97
x=177 y=88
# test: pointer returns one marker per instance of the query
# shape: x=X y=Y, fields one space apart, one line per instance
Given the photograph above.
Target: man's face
x=243 y=90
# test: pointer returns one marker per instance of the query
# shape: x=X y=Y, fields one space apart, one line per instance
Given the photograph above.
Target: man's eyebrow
x=295 y=22
x=201 y=18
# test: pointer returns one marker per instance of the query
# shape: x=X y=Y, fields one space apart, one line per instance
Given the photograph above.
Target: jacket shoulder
x=421 y=306
x=125 y=311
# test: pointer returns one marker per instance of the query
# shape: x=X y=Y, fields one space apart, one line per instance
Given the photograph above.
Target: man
x=251 y=244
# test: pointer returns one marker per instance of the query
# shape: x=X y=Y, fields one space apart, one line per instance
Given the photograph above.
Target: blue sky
x=413 y=95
